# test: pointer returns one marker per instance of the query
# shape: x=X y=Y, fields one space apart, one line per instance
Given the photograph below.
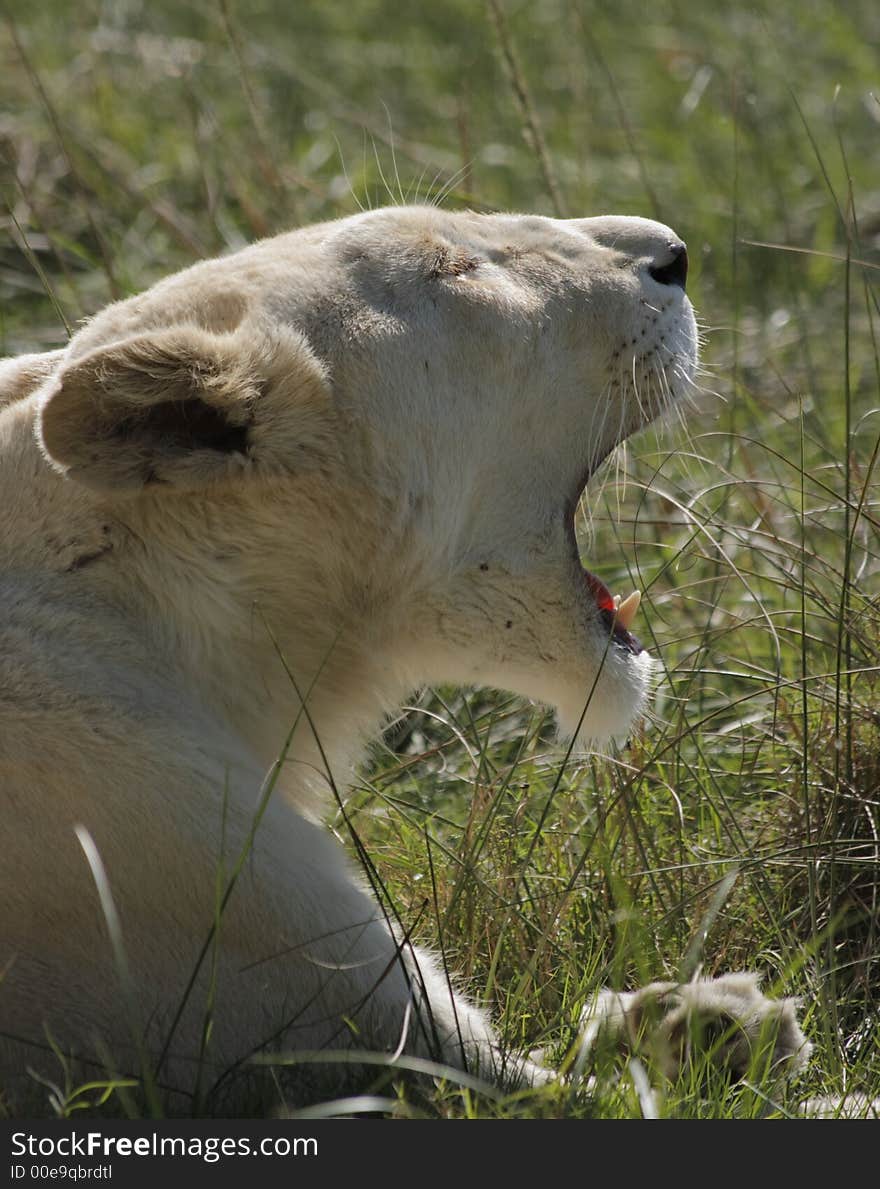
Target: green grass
x=136 y=138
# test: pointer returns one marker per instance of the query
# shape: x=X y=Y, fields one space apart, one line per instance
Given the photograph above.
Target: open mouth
x=617 y=614
x=614 y=613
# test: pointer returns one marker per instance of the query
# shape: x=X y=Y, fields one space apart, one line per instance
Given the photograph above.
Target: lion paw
x=727 y=1020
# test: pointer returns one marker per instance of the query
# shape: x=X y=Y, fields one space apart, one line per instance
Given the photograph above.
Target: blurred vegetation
x=136 y=138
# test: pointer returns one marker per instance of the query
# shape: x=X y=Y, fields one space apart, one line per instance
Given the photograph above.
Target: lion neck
x=269 y=630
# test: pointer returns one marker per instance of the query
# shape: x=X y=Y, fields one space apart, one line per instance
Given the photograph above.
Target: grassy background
x=136 y=138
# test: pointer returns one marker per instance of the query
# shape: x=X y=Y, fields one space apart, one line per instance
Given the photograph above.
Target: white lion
x=244 y=513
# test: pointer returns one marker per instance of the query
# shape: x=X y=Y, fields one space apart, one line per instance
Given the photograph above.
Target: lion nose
x=675 y=270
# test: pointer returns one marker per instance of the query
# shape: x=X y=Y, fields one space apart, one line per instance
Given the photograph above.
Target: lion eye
x=452 y=262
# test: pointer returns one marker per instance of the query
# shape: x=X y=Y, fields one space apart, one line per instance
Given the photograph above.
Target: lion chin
x=245 y=513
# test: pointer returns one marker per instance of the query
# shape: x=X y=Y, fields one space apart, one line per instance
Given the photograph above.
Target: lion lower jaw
x=609 y=708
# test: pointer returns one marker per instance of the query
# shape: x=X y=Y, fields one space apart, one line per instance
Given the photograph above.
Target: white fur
x=334 y=466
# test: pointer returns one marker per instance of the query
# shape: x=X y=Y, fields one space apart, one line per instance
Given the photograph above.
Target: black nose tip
x=675 y=271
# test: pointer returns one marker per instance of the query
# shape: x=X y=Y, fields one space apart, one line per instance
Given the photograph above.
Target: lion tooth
x=626 y=611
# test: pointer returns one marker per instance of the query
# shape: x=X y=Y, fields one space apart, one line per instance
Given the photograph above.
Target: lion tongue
x=600 y=592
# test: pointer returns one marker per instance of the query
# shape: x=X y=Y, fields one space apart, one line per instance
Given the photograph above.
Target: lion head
x=376 y=430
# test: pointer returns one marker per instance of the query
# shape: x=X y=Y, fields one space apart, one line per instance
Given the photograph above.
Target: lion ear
x=183 y=407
